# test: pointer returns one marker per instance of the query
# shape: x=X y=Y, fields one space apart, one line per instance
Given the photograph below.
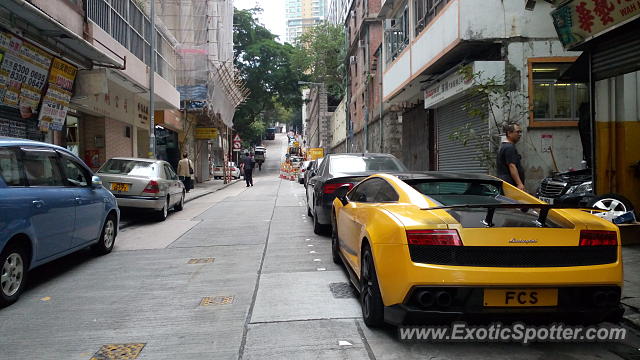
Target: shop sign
x=456 y=83
x=116 y=103
x=23 y=74
x=206 y=133
x=580 y=20
x=56 y=101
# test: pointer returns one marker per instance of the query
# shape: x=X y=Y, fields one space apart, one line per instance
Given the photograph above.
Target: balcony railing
x=130 y=26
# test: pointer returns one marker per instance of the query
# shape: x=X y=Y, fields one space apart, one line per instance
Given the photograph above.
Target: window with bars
x=425 y=11
x=397 y=34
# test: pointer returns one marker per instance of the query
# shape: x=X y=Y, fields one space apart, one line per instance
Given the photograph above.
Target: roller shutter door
x=453 y=155
x=617 y=53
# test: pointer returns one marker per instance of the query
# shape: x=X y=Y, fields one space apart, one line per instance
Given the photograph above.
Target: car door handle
x=78 y=200
x=38 y=203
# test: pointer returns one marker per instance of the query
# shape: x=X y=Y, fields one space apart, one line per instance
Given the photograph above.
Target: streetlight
x=322 y=91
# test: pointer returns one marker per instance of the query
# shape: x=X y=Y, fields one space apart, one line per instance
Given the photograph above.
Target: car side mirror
x=96 y=182
x=341 y=194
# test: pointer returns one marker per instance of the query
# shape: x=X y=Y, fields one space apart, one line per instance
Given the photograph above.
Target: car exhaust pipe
x=599 y=298
x=425 y=298
x=443 y=298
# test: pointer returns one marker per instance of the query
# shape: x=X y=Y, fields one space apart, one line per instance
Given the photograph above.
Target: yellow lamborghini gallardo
x=433 y=246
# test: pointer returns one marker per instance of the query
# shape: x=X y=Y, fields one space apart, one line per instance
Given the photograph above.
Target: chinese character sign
x=579 y=20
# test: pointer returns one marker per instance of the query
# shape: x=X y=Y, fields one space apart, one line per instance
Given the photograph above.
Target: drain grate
x=201 y=261
x=217 y=300
x=118 y=352
x=341 y=290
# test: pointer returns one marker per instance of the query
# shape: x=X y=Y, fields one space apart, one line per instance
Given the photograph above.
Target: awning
x=578 y=72
x=48 y=27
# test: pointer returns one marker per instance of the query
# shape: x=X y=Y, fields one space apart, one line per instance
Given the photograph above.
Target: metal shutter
x=617 y=53
x=453 y=155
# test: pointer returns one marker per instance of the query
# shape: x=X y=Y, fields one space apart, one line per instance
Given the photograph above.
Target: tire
x=335 y=251
x=13 y=274
x=162 y=214
x=180 y=205
x=370 y=297
x=318 y=228
x=612 y=202
x=107 y=237
x=309 y=214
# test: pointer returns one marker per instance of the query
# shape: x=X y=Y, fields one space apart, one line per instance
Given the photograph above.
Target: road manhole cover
x=118 y=351
x=201 y=261
x=341 y=290
x=216 y=300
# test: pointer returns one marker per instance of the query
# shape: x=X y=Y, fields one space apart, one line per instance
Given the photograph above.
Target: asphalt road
x=268 y=280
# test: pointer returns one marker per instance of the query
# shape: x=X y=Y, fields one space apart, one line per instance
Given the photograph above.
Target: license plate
x=547 y=200
x=119 y=187
x=520 y=297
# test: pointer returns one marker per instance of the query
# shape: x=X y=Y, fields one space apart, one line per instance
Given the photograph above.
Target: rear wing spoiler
x=491 y=209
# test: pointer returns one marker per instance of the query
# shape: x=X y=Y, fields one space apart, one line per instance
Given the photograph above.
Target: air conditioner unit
x=352 y=60
x=389 y=23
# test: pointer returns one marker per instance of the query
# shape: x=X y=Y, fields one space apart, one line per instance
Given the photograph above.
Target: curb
x=211 y=192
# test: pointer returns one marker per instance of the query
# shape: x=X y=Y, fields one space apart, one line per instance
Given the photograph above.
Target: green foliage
x=501 y=104
x=266 y=67
x=320 y=54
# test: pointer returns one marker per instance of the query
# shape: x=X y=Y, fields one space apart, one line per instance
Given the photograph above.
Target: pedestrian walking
x=508 y=162
x=185 y=171
x=247 y=165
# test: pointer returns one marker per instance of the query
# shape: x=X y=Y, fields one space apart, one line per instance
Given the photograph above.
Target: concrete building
x=301 y=15
x=337 y=11
x=317 y=119
x=338 y=127
x=426 y=42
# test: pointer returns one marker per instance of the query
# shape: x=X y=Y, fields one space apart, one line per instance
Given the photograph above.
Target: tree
x=266 y=67
x=320 y=53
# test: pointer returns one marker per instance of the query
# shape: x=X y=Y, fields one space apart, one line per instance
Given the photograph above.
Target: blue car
x=51 y=205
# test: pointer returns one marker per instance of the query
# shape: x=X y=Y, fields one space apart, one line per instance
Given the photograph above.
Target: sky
x=272 y=17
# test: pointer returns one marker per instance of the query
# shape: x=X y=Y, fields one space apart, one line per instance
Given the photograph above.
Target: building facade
x=301 y=15
x=428 y=42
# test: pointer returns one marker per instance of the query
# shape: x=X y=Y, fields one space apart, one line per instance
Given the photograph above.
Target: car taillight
x=233 y=169
x=216 y=169
x=433 y=237
x=330 y=188
x=152 y=187
x=598 y=238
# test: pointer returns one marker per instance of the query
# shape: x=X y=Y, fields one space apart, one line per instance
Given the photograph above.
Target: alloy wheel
x=109 y=233
x=12 y=274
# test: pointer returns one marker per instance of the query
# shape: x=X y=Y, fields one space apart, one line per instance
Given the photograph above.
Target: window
x=348 y=164
x=554 y=102
x=374 y=190
x=397 y=35
x=128 y=167
x=171 y=175
x=9 y=168
x=41 y=167
x=459 y=192
x=75 y=174
x=364 y=192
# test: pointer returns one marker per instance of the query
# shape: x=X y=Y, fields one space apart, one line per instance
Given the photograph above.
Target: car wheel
x=370 y=298
x=335 y=251
x=162 y=214
x=613 y=203
x=13 y=274
x=180 y=205
x=318 y=228
x=107 y=237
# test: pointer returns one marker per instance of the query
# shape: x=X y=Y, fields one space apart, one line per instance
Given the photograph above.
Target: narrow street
x=273 y=292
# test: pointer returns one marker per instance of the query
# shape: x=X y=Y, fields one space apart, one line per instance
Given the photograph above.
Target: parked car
x=311 y=171
x=144 y=184
x=435 y=246
x=340 y=169
x=303 y=169
x=218 y=171
x=576 y=188
x=51 y=205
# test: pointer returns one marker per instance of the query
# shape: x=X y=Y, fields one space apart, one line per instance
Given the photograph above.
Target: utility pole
x=152 y=73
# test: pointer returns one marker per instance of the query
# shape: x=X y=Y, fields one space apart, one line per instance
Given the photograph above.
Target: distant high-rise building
x=303 y=14
x=337 y=12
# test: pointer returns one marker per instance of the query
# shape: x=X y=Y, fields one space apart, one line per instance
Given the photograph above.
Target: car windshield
x=460 y=192
x=365 y=163
x=127 y=167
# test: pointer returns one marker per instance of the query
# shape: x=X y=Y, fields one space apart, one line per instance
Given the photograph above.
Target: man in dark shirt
x=247 y=165
x=508 y=161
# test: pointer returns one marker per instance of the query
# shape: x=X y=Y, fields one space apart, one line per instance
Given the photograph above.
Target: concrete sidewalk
x=631 y=289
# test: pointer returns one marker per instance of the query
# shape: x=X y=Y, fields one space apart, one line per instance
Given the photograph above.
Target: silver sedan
x=143 y=183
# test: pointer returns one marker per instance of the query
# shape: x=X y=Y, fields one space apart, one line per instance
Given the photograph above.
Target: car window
x=128 y=167
x=170 y=173
x=321 y=168
x=365 y=163
x=365 y=192
x=386 y=192
x=74 y=173
x=41 y=167
x=10 y=171
x=459 y=192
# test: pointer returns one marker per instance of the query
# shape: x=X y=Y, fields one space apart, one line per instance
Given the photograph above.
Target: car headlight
x=586 y=187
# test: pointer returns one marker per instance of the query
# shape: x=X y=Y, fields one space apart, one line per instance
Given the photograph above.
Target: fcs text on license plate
x=119 y=187
x=520 y=297
x=547 y=200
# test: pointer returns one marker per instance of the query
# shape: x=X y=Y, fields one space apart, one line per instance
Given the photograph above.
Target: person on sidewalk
x=508 y=160
x=247 y=166
x=185 y=171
